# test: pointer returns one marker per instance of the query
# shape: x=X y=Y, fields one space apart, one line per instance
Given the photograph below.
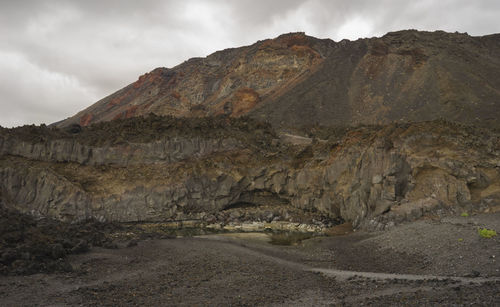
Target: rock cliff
x=231 y=170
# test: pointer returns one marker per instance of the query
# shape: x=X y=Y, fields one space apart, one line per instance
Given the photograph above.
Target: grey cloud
x=71 y=53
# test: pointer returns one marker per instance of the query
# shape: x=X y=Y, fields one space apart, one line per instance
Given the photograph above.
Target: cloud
x=37 y=95
x=58 y=57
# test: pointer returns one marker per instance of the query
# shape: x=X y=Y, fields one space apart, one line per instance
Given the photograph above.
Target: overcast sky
x=58 y=57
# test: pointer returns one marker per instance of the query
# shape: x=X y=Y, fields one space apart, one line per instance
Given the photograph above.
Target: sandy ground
x=428 y=262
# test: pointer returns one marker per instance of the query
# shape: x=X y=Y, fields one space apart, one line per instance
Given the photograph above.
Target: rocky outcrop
x=71 y=150
x=296 y=80
x=41 y=191
x=374 y=177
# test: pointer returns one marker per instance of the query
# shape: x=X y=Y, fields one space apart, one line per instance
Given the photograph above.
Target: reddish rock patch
x=176 y=95
x=130 y=112
x=86 y=119
x=116 y=101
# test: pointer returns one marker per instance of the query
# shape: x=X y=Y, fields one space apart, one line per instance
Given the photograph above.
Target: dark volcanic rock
x=28 y=245
x=372 y=176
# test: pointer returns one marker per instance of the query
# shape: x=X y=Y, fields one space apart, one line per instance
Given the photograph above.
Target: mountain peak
x=295 y=79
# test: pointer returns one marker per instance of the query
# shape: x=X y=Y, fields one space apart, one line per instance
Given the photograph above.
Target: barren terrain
x=427 y=262
x=295 y=171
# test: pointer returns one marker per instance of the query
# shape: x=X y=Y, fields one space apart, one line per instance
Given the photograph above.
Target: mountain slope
x=231 y=81
x=408 y=76
x=296 y=79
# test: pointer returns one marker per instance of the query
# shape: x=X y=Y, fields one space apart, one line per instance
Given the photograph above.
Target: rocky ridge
x=295 y=80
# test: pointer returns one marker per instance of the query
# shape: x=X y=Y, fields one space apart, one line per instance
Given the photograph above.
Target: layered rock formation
x=300 y=80
x=228 y=151
x=222 y=170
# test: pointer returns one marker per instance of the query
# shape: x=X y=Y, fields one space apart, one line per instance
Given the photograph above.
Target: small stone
x=81 y=247
x=269 y=216
x=132 y=243
x=210 y=219
x=377 y=179
x=58 y=251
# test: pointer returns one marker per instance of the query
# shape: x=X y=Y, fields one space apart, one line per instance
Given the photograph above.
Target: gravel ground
x=247 y=270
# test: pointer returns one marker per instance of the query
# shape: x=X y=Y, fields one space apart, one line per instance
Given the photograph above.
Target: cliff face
x=300 y=80
x=372 y=176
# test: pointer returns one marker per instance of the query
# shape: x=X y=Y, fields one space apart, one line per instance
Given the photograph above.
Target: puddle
x=289 y=238
x=251 y=236
x=274 y=237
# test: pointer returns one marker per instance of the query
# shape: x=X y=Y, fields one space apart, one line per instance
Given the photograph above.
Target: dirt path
x=380 y=269
x=342 y=274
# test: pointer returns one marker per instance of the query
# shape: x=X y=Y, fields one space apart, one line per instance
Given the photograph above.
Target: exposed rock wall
x=395 y=171
x=71 y=150
x=43 y=192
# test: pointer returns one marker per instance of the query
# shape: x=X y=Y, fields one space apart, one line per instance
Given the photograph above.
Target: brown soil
x=441 y=262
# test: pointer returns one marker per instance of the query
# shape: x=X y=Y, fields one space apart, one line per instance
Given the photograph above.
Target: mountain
x=289 y=139
x=200 y=160
x=296 y=80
